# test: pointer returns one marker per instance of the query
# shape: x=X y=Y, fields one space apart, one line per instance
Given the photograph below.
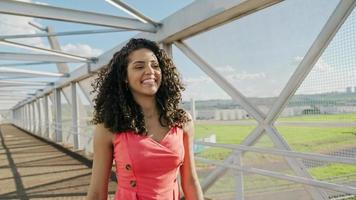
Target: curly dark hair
x=114 y=105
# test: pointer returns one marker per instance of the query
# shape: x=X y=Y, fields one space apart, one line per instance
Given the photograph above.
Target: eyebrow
x=140 y=61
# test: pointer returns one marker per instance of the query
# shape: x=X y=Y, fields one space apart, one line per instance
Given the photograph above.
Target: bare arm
x=102 y=163
x=189 y=177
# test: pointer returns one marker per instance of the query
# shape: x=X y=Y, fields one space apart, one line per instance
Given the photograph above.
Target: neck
x=148 y=106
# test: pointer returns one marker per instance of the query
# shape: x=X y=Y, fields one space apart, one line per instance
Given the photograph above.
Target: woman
x=139 y=125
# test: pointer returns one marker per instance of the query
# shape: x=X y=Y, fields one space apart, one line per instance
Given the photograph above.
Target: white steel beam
x=206 y=15
x=34 y=121
x=297 y=166
x=258 y=115
x=69 y=15
x=86 y=93
x=239 y=178
x=131 y=11
x=340 y=14
x=236 y=95
x=343 y=12
x=58 y=115
x=296 y=179
x=24 y=83
x=13 y=71
x=21 y=86
x=7 y=94
x=67 y=33
x=38 y=105
x=48 y=51
x=25 y=64
x=37 y=25
x=75 y=115
x=23 y=116
x=168 y=48
x=285 y=153
x=37 y=57
x=11 y=99
x=221 y=81
x=61 y=67
x=46 y=116
x=27 y=117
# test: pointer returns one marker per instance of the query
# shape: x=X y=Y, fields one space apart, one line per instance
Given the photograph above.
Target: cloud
x=225 y=69
x=233 y=75
x=197 y=80
x=81 y=50
x=298 y=58
x=41 y=3
x=195 y=85
x=13 y=25
x=321 y=66
x=204 y=92
x=246 y=76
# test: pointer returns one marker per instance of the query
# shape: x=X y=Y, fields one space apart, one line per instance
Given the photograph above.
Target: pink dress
x=147 y=169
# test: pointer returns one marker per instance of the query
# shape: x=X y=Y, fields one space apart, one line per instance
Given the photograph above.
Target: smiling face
x=143 y=73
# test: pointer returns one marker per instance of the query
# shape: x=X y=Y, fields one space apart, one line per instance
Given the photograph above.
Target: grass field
x=305 y=139
x=351 y=117
x=302 y=139
x=317 y=118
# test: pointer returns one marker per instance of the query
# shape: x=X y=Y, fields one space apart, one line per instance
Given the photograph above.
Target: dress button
x=133 y=183
x=128 y=167
x=175 y=180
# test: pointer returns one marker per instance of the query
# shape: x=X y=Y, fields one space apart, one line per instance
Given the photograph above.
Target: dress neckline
x=164 y=137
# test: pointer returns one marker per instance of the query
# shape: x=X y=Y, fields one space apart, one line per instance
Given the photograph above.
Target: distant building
x=230 y=114
x=349 y=90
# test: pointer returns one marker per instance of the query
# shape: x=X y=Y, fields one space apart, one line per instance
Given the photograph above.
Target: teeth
x=148 y=81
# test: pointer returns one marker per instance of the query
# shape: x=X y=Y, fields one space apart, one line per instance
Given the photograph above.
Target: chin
x=147 y=92
x=150 y=93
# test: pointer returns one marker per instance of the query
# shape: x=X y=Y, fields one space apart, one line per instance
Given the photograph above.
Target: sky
x=257 y=53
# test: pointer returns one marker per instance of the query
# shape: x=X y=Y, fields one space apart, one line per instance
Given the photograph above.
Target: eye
x=138 y=67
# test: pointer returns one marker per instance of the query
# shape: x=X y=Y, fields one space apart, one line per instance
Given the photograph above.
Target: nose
x=149 y=69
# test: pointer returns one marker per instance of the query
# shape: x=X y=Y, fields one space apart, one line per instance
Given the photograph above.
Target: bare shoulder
x=188 y=127
x=103 y=134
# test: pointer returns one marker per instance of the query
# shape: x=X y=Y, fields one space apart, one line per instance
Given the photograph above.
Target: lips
x=149 y=81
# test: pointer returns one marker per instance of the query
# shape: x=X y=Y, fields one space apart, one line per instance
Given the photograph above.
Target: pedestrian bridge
x=270 y=85
x=34 y=168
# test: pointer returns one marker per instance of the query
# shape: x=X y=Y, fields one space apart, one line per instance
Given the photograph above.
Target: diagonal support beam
x=24 y=83
x=62 y=67
x=131 y=11
x=70 y=15
x=334 y=23
x=206 y=15
x=297 y=167
x=340 y=14
x=30 y=73
x=49 y=51
x=18 y=90
x=25 y=64
x=36 y=57
x=84 y=32
x=221 y=81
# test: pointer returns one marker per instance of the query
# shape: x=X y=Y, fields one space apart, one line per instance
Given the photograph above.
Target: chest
x=156 y=131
